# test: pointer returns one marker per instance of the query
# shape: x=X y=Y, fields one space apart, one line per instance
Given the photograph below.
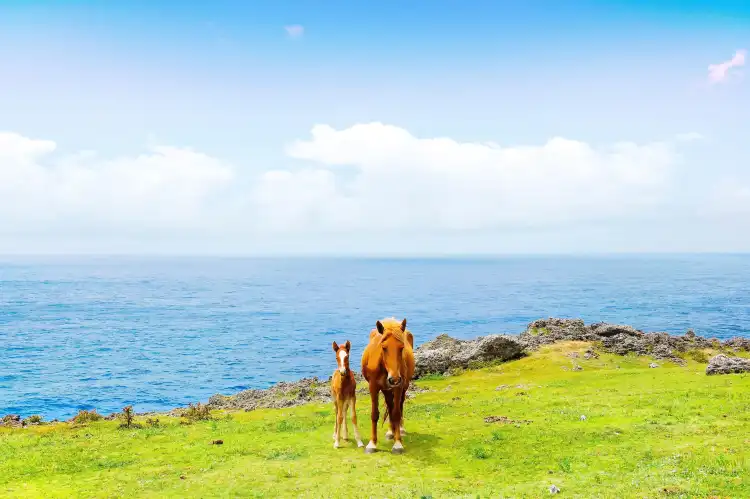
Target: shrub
x=198 y=412
x=128 y=416
x=33 y=419
x=84 y=417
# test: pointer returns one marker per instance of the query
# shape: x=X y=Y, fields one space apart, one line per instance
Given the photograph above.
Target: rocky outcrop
x=445 y=353
x=722 y=364
x=284 y=394
x=12 y=420
x=620 y=339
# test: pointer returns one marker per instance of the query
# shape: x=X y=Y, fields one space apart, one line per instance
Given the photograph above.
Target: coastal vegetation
x=569 y=416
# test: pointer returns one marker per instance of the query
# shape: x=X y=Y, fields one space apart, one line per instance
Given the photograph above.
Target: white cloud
x=401 y=181
x=718 y=73
x=168 y=187
x=295 y=31
x=366 y=179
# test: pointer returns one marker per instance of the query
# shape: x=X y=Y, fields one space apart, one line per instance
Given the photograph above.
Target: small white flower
x=583 y=418
x=553 y=489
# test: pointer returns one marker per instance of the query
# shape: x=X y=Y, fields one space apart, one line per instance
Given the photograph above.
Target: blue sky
x=226 y=81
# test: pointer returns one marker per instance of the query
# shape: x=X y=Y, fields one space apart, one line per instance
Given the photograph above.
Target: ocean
x=158 y=333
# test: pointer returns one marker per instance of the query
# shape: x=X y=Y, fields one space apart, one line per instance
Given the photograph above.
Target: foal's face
x=342 y=356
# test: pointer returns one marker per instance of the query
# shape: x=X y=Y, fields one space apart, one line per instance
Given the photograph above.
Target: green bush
x=85 y=417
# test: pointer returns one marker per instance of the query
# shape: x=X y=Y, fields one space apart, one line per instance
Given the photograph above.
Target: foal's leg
x=354 y=422
x=335 y=417
x=374 y=415
x=339 y=419
x=345 y=404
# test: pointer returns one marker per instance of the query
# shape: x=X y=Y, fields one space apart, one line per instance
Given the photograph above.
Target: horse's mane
x=392 y=327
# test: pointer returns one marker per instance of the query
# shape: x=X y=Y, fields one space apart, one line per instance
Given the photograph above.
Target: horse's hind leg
x=354 y=422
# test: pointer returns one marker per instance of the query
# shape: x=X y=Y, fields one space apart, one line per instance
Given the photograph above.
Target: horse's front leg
x=388 y=396
x=395 y=416
x=403 y=397
x=374 y=416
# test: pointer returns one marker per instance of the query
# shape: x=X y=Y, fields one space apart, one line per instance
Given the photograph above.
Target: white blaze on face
x=342 y=359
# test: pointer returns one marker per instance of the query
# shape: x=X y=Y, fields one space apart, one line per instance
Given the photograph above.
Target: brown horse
x=344 y=394
x=388 y=366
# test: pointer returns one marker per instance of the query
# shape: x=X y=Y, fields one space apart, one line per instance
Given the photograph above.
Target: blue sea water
x=162 y=332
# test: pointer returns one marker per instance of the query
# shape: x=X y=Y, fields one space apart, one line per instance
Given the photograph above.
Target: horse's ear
x=380 y=327
x=335 y=347
x=403 y=325
x=348 y=346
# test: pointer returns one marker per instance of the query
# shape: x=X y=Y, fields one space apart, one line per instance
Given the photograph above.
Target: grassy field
x=671 y=431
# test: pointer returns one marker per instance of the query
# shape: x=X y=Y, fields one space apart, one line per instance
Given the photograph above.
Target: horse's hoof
x=360 y=444
x=389 y=436
x=335 y=445
x=397 y=450
x=370 y=450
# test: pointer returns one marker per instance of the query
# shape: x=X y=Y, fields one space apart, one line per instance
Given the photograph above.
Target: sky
x=374 y=128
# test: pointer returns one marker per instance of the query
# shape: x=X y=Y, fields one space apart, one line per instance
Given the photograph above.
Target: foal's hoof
x=360 y=444
x=389 y=435
x=371 y=448
x=335 y=445
x=398 y=448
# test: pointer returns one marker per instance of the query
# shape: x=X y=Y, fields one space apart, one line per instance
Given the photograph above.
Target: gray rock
x=722 y=364
x=445 y=353
x=621 y=339
x=13 y=420
x=605 y=330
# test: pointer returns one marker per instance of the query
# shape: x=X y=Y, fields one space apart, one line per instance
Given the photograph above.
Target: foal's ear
x=335 y=347
x=380 y=327
x=403 y=325
x=348 y=346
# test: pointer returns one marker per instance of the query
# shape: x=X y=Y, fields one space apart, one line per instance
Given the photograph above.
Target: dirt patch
x=506 y=420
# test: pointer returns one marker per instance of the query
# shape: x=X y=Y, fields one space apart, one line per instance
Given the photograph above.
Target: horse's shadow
x=419 y=445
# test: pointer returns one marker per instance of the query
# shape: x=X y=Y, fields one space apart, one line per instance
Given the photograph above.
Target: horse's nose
x=394 y=381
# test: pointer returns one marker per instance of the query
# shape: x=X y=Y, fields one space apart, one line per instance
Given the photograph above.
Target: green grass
x=665 y=432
